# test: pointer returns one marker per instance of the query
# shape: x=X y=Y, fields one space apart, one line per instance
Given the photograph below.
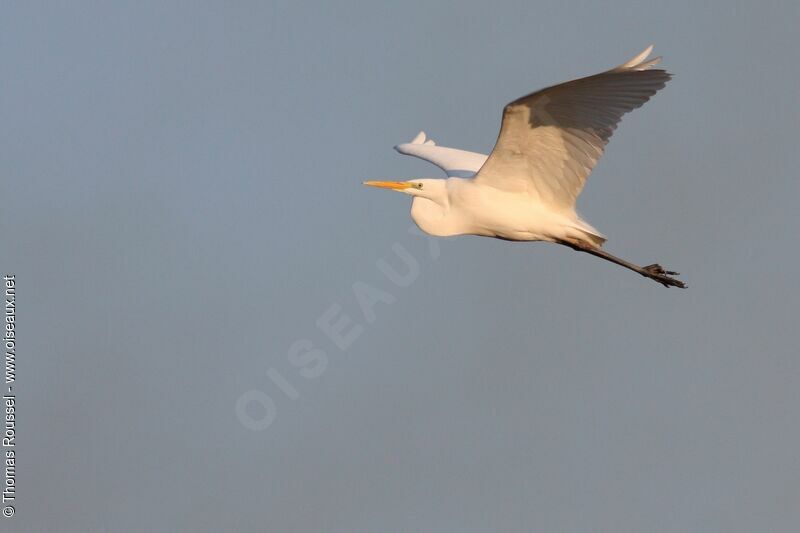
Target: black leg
x=654 y=272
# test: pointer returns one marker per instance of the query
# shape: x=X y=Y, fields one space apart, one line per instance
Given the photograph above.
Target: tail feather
x=592 y=234
x=597 y=240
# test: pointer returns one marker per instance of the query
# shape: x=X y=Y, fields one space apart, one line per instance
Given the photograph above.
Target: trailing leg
x=654 y=271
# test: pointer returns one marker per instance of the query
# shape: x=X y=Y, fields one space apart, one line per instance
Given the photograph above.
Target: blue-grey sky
x=182 y=205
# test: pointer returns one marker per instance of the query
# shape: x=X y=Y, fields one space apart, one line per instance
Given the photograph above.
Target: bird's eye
x=419 y=185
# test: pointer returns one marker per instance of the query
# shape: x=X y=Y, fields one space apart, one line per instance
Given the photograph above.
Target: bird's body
x=526 y=189
x=468 y=207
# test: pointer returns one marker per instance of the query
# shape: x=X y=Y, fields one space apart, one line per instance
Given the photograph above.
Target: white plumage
x=526 y=189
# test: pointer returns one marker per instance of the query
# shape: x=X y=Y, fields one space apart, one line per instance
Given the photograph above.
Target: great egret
x=525 y=190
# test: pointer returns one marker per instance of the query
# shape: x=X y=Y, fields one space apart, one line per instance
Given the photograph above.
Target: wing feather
x=455 y=162
x=550 y=140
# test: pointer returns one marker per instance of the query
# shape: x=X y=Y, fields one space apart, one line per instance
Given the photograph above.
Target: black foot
x=657 y=273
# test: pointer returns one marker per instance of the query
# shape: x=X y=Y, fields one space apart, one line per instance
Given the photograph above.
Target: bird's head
x=432 y=189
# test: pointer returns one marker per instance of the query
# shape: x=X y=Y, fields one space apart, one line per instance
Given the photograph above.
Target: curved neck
x=433 y=214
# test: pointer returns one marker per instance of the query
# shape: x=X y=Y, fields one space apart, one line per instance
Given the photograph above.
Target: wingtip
x=650 y=63
x=644 y=55
x=640 y=62
x=419 y=139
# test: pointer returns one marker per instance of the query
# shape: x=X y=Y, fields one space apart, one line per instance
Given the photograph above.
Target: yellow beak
x=396 y=185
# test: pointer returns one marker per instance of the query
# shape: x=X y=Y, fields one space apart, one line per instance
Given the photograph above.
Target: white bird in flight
x=526 y=189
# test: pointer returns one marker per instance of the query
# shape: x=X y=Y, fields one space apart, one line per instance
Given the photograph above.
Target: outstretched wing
x=456 y=163
x=551 y=140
